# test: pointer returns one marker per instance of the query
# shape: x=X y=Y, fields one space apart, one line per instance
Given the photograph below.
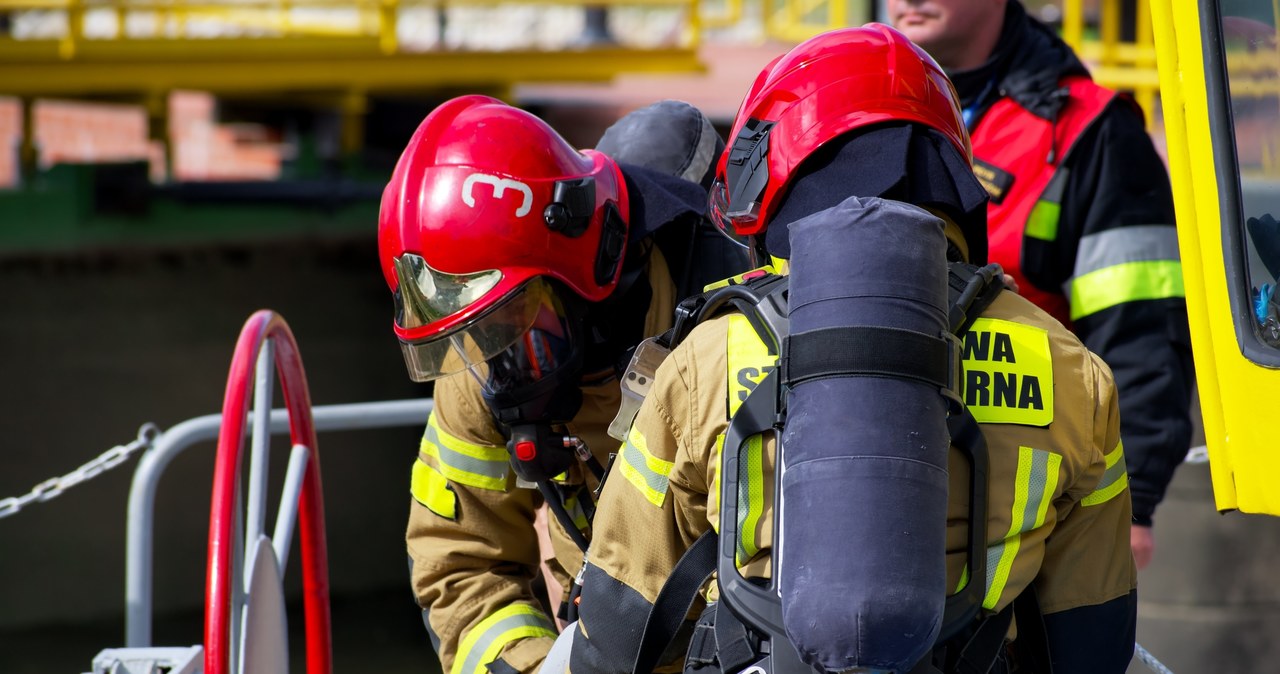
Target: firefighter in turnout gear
x=847 y=158
x=1081 y=214
x=523 y=272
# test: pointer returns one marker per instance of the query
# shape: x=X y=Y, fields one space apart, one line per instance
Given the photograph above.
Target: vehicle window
x=1253 y=78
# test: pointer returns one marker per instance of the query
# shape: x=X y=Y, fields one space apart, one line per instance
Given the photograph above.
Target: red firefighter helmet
x=489 y=213
x=831 y=84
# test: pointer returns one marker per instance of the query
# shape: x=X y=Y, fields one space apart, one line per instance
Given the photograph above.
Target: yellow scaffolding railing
x=798 y=20
x=392 y=25
x=328 y=53
x=1127 y=64
x=1116 y=62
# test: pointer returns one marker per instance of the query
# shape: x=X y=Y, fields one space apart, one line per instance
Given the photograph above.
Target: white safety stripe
x=1139 y=243
x=480 y=466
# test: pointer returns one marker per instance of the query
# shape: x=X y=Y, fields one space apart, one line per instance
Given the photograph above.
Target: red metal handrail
x=263 y=325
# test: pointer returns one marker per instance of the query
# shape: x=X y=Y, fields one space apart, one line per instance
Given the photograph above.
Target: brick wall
x=10 y=128
x=81 y=132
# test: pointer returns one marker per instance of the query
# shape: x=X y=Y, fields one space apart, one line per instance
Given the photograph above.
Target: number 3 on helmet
x=489 y=218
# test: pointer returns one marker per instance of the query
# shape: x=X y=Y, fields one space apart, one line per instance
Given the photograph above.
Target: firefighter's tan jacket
x=472 y=545
x=1059 y=508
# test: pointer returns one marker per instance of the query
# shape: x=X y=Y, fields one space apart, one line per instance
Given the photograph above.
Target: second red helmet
x=833 y=83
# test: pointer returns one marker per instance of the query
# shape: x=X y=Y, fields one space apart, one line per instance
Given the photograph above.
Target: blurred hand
x=1010 y=283
x=1142 y=541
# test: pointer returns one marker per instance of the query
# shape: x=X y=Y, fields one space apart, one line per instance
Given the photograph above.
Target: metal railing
x=140 y=544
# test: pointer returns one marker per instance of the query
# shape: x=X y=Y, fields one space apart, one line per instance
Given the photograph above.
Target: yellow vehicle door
x=1220 y=91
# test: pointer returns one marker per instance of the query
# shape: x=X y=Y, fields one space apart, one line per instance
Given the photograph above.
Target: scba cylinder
x=864 y=487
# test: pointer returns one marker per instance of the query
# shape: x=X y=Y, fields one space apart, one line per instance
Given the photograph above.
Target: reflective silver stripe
x=643 y=470
x=1114 y=481
x=1036 y=496
x=1139 y=243
x=1034 y=488
x=513 y=622
x=489 y=473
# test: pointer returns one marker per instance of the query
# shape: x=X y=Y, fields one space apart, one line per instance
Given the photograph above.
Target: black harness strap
x=674 y=601
x=735 y=647
x=867 y=351
x=1032 y=645
x=982 y=649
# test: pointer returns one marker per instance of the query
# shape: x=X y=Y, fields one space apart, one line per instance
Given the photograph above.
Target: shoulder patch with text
x=1008 y=373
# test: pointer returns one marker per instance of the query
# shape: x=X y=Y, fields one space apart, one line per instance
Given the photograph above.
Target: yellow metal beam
x=241 y=69
x=41 y=52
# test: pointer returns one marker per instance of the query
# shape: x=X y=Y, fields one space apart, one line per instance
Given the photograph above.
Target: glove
x=1265 y=232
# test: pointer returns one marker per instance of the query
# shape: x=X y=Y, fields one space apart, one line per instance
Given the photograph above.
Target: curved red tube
x=261 y=325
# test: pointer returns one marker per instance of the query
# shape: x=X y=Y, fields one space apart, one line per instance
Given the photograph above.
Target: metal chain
x=109 y=459
x=1150 y=660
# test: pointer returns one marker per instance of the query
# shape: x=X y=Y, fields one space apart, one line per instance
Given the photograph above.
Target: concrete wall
x=1209 y=602
x=91 y=348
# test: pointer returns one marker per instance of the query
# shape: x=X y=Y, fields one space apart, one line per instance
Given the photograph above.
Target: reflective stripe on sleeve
x=1113 y=482
x=430 y=489
x=643 y=470
x=481 y=466
x=1042 y=222
x=486 y=640
x=1125 y=282
x=1140 y=243
x=1034 y=487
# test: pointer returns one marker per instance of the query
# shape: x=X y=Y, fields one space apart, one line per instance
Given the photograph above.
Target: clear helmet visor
x=545 y=351
x=426 y=295
x=725 y=218
x=524 y=334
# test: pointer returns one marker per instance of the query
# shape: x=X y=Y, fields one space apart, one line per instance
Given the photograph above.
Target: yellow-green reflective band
x=1127 y=282
x=479 y=466
x=964 y=579
x=1036 y=482
x=1043 y=222
x=748 y=358
x=750 y=498
x=717 y=460
x=576 y=513
x=736 y=280
x=430 y=489
x=1113 y=482
x=485 y=641
x=1133 y=243
x=643 y=470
